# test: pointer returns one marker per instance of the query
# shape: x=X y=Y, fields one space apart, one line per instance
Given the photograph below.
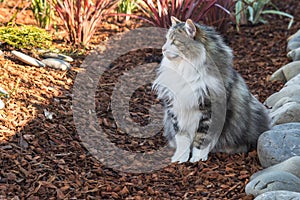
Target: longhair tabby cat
x=186 y=80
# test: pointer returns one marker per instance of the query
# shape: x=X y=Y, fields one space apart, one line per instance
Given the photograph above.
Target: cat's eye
x=174 y=42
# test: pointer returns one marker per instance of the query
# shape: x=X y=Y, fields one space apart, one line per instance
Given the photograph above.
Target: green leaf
x=251 y=15
x=238 y=11
x=277 y=12
x=262 y=20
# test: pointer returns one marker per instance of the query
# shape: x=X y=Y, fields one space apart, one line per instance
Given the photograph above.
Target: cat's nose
x=164 y=48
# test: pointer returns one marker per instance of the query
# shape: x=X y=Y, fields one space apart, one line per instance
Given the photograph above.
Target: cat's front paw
x=199 y=154
x=182 y=152
x=181 y=156
x=196 y=158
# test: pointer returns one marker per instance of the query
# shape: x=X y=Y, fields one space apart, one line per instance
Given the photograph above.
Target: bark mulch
x=43 y=157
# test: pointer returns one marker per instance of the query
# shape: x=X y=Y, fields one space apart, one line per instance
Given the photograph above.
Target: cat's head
x=185 y=40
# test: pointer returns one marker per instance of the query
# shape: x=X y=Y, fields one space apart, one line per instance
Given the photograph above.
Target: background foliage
x=25 y=37
x=81 y=18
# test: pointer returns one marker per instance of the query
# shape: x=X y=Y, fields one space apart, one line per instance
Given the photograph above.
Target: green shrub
x=252 y=11
x=127 y=7
x=25 y=37
x=42 y=12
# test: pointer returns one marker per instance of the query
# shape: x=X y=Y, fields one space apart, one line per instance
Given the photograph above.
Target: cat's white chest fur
x=180 y=79
x=185 y=85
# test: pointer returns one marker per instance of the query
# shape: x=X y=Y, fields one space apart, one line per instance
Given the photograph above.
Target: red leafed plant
x=210 y=12
x=81 y=17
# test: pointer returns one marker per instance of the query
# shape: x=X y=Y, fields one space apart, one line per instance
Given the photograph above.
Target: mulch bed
x=42 y=158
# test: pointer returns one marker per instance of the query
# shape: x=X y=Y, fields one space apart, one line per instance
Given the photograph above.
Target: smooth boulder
x=58 y=56
x=291 y=165
x=27 y=59
x=286 y=72
x=278 y=145
x=56 y=63
x=272 y=181
x=284 y=101
x=288 y=112
x=293 y=45
x=293 y=41
x=295 y=37
x=292 y=92
x=294 y=54
x=287 y=126
x=280 y=195
x=294 y=81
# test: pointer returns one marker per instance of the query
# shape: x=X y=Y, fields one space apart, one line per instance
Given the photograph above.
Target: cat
x=196 y=71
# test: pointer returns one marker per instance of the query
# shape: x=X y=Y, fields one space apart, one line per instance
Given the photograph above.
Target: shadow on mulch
x=45 y=158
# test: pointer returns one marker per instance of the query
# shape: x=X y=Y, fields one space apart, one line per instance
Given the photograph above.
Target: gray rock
x=291 y=165
x=293 y=39
x=58 y=56
x=288 y=112
x=286 y=72
x=284 y=101
x=287 y=126
x=272 y=181
x=276 y=146
x=294 y=81
x=293 y=45
x=2 y=105
x=294 y=54
x=3 y=93
x=292 y=92
x=279 y=194
x=56 y=63
x=27 y=59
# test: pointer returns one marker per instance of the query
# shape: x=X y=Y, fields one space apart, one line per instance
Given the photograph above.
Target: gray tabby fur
x=196 y=67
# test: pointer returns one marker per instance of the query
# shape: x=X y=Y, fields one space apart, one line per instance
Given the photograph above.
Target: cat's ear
x=190 y=28
x=174 y=21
